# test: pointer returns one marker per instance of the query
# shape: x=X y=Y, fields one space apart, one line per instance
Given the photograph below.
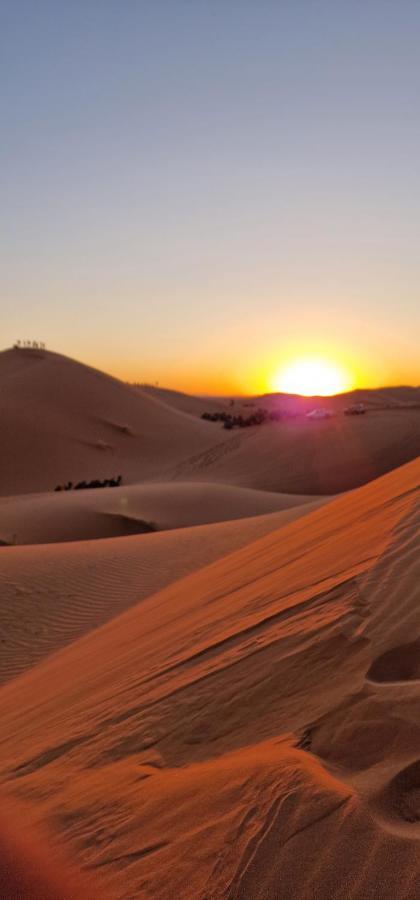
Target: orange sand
x=226 y=710
x=164 y=746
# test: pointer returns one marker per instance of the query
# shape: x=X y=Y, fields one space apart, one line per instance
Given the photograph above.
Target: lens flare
x=312 y=377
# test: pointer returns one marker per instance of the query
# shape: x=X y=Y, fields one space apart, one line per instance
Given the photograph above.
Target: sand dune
x=310 y=457
x=400 y=397
x=228 y=708
x=135 y=509
x=33 y=866
x=254 y=737
x=62 y=420
x=53 y=594
x=373 y=398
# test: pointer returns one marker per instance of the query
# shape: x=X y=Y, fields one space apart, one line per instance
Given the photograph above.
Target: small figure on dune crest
x=31 y=345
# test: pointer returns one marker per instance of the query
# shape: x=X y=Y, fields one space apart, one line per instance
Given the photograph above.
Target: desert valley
x=210 y=670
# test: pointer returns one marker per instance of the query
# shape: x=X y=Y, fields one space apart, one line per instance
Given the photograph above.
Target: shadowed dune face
x=401 y=663
x=403 y=794
x=245 y=749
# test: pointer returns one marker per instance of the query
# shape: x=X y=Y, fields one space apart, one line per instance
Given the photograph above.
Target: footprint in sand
x=401 y=663
x=401 y=798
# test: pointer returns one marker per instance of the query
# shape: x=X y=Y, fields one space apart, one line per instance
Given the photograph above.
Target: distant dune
x=187 y=403
x=310 y=457
x=252 y=729
x=374 y=398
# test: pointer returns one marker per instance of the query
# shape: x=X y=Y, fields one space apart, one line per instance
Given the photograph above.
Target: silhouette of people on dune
x=29 y=345
x=84 y=485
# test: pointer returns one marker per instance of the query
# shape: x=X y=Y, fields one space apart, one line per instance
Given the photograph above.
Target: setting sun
x=312 y=377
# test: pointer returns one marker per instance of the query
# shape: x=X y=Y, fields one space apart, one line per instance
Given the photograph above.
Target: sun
x=312 y=378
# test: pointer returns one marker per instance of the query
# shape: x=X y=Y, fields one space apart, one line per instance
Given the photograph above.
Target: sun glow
x=312 y=377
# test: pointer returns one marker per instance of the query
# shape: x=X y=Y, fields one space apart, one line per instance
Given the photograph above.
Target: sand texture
x=210 y=675
x=246 y=731
x=134 y=509
x=51 y=594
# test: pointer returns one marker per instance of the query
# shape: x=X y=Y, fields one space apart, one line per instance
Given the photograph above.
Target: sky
x=198 y=193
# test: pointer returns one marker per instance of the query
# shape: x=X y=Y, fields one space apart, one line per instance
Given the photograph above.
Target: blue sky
x=194 y=191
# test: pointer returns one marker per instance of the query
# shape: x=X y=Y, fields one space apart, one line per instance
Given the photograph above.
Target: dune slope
x=54 y=593
x=247 y=721
x=137 y=508
x=62 y=421
x=188 y=403
x=310 y=457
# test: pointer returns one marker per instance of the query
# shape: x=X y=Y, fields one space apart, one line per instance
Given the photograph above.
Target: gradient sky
x=193 y=192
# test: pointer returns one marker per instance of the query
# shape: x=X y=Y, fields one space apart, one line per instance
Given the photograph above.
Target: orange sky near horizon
x=267 y=371
x=246 y=369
